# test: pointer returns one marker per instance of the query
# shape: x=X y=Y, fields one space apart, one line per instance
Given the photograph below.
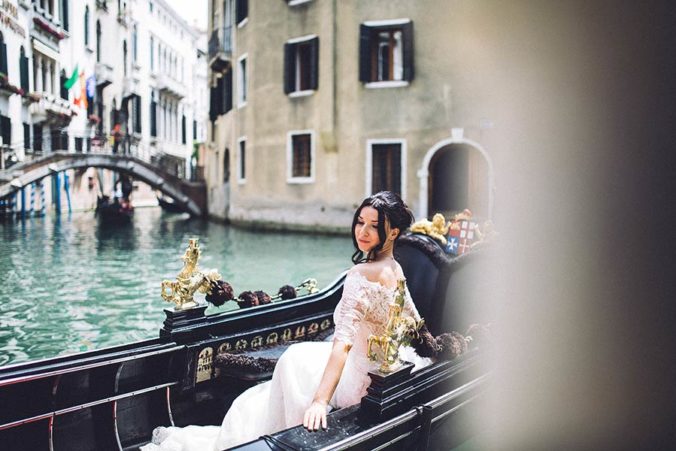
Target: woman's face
x=366 y=230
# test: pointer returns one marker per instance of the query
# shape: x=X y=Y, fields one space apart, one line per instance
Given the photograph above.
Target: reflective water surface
x=73 y=284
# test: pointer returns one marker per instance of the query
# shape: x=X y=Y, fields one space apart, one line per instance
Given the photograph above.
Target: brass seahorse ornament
x=397 y=333
x=190 y=280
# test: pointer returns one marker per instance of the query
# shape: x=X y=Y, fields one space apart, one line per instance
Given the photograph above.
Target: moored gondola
x=113 y=398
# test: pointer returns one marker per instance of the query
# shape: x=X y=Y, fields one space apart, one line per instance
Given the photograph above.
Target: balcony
x=130 y=87
x=169 y=86
x=51 y=109
x=104 y=75
x=124 y=17
x=46 y=26
x=220 y=49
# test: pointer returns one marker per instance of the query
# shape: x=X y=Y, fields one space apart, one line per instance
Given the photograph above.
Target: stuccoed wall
x=450 y=90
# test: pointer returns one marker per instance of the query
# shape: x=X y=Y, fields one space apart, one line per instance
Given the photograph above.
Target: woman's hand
x=315 y=416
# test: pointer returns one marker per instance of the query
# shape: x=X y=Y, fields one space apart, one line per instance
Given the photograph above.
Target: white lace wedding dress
x=281 y=402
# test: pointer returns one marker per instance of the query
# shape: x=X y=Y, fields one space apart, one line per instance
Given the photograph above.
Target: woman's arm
x=315 y=415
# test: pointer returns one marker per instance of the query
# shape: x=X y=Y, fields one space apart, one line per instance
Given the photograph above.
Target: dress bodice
x=363 y=310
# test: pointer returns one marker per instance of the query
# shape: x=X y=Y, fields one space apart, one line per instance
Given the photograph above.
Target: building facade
x=125 y=76
x=318 y=103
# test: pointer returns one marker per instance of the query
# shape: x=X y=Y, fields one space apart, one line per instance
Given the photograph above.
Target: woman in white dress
x=313 y=377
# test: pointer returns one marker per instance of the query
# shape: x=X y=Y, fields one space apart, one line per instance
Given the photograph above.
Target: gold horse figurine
x=396 y=333
x=190 y=280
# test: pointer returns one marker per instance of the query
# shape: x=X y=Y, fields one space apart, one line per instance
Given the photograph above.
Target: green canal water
x=72 y=284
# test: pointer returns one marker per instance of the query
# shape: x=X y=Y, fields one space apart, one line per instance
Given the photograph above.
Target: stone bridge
x=191 y=196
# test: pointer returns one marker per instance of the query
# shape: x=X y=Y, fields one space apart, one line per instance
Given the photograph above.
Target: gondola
x=112 y=399
x=168 y=204
x=117 y=211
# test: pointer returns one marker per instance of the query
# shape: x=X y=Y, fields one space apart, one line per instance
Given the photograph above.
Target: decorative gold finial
x=396 y=332
x=189 y=280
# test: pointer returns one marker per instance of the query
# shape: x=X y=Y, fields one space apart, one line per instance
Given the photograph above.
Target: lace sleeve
x=351 y=310
x=409 y=307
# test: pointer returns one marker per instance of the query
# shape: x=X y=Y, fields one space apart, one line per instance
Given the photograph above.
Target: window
x=62 y=85
x=78 y=144
x=26 y=136
x=386 y=52
x=183 y=130
x=136 y=113
x=226 y=166
x=23 y=69
x=301 y=65
x=153 y=116
x=134 y=44
x=86 y=26
x=242 y=11
x=3 y=55
x=300 y=157
x=220 y=96
x=98 y=41
x=124 y=57
x=64 y=14
x=241 y=147
x=37 y=138
x=6 y=131
x=194 y=130
x=386 y=166
x=241 y=82
x=152 y=53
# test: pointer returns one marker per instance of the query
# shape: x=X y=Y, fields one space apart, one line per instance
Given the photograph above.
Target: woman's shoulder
x=382 y=274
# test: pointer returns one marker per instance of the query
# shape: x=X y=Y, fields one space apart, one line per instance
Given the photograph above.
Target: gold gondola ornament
x=397 y=333
x=190 y=280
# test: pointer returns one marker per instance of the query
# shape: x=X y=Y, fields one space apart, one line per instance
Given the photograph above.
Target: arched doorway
x=456 y=174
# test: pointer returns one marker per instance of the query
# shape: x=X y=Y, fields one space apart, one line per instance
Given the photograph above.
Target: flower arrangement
x=7 y=86
x=48 y=28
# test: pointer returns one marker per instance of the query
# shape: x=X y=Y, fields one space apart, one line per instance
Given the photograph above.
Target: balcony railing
x=130 y=86
x=220 y=48
x=51 y=107
x=170 y=86
x=104 y=74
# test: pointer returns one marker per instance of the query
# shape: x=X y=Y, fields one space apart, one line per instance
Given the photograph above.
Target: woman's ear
x=394 y=233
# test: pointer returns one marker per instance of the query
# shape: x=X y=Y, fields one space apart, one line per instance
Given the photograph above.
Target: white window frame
x=369 y=163
x=297 y=2
x=387 y=83
x=305 y=92
x=242 y=81
x=289 y=157
x=241 y=177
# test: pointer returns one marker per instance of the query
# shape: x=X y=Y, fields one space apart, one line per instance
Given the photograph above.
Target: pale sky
x=192 y=11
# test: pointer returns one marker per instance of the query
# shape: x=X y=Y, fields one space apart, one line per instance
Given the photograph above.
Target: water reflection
x=73 y=284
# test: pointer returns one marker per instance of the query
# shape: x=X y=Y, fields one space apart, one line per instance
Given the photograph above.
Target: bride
x=312 y=378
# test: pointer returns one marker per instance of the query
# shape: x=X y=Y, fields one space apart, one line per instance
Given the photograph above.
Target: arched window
x=134 y=44
x=98 y=41
x=124 y=57
x=86 y=26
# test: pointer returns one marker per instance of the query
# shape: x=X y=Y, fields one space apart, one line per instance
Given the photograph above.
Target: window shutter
x=23 y=67
x=227 y=91
x=407 y=31
x=314 y=64
x=364 y=53
x=3 y=58
x=213 y=103
x=289 y=70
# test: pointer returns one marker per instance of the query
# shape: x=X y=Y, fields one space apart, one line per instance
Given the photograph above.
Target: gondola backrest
x=443 y=286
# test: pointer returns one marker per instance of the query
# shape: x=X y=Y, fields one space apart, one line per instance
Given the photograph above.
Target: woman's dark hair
x=390 y=208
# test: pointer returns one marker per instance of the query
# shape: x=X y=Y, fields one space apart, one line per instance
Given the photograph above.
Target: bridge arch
x=189 y=195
